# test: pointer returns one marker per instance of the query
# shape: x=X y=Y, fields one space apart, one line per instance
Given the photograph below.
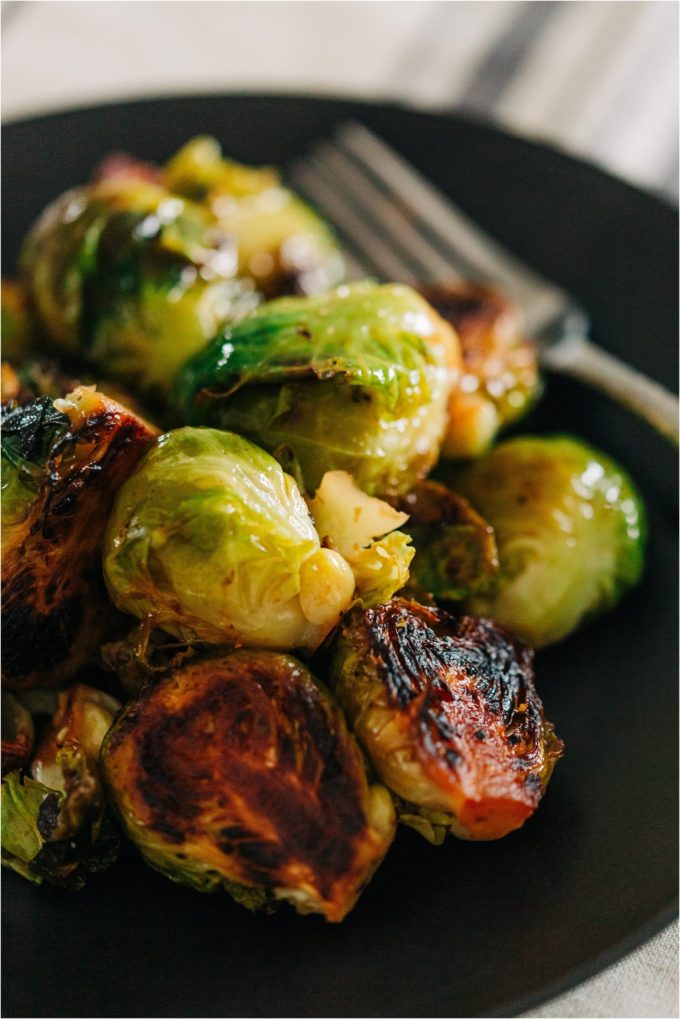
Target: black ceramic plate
x=466 y=929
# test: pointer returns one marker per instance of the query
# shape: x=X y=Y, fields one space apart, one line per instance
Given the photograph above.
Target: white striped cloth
x=598 y=79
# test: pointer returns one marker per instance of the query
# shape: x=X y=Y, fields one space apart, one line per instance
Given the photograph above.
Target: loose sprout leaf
x=21 y=837
x=363 y=530
x=29 y=433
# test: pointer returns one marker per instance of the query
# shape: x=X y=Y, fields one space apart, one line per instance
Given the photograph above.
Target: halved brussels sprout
x=500 y=379
x=132 y=279
x=356 y=380
x=455 y=549
x=54 y=823
x=62 y=462
x=211 y=540
x=570 y=528
x=447 y=711
x=283 y=245
x=275 y=807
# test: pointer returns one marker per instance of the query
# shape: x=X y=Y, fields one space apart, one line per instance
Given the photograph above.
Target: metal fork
x=399 y=227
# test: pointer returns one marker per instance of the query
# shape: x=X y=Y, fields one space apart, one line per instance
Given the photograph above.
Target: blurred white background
x=597 y=78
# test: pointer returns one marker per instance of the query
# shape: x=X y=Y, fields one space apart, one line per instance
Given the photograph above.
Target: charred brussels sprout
x=283 y=245
x=61 y=464
x=131 y=279
x=570 y=529
x=276 y=806
x=455 y=549
x=448 y=714
x=500 y=380
x=211 y=540
x=55 y=826
x=357 y=380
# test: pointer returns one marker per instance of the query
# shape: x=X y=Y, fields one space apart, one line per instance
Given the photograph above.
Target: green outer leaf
x=570 y=527
x=29 y=435
x=21 y=838
x=189 y=872
x=132 y=279
x=208 y=536
x=356 y=380
x=371 y=336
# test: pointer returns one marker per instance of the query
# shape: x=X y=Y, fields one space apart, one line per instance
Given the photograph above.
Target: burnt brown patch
x=54 y=605
x=493 y=346
x=462 y=690
x=473 y=310
x=278 y=788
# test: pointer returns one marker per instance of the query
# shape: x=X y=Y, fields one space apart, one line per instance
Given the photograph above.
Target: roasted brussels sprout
x=131 y=279
x=18 y=734
x=144 y=654
x=61 y=463
x=54 y=823
x=12 y=389
x=211 y=540
x=275 y=807
x=283 y=245
x=455 y=549
x=500 y=378
x=18 y=325
x=447 y=712
x=27 y=380
x=356 y=380
x=570 y=528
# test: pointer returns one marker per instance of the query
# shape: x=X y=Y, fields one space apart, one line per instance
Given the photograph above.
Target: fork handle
x=579 y=358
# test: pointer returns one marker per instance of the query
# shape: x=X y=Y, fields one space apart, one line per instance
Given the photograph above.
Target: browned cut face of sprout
x=276 y=807
x=62 y=463
x=447 y=711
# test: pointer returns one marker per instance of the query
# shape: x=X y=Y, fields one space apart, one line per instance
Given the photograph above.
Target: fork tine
x=304 y=180
x=456 y=235
x=378 y=206
x=315 y=183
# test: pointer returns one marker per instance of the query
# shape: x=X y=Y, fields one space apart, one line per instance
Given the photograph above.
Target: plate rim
x=663 y=917
x=552 y=149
